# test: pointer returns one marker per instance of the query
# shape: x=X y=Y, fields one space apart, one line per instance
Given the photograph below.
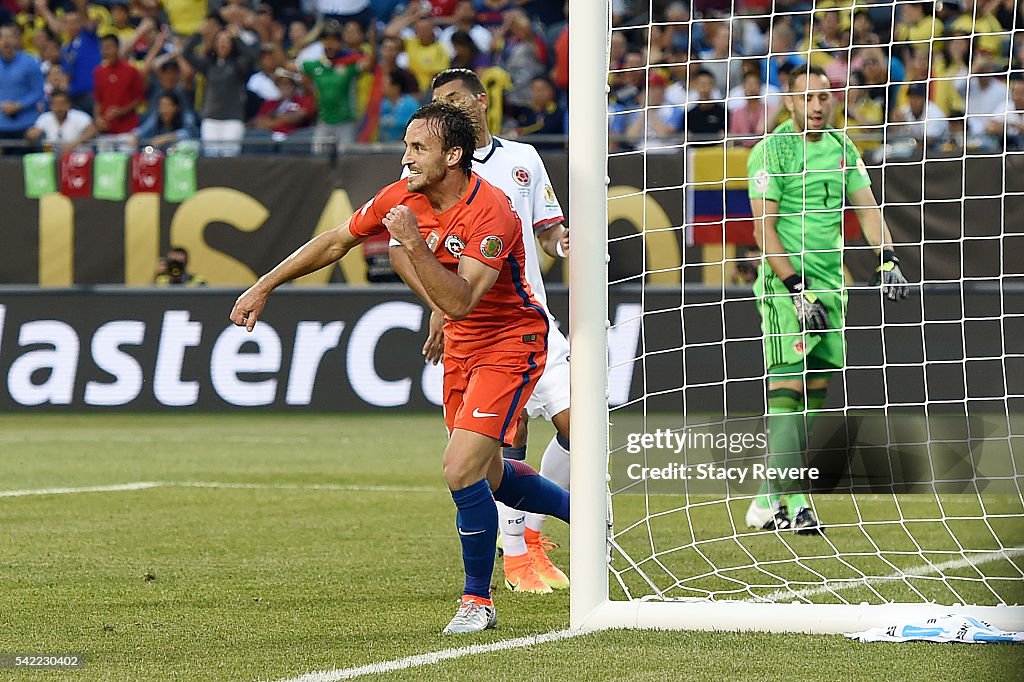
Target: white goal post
x=595 y=602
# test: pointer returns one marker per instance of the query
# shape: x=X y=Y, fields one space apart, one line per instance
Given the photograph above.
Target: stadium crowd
x=312 y=74
x=945 y=75
x=238 y=76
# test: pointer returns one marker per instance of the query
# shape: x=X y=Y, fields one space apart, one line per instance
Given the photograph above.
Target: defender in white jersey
x=517 y=169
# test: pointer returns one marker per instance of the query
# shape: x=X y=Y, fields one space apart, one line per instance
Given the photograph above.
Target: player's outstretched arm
x=454 y=293
x=888 y=274
x=324 y=249
x=433 y=347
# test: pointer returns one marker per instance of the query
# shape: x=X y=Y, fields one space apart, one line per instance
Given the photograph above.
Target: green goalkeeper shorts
x=790 y=351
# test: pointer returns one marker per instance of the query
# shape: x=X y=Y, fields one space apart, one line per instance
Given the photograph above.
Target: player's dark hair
x=805 y=70
x=453 y=127
x=59 y=92
x=466 y=76
x=111 y=37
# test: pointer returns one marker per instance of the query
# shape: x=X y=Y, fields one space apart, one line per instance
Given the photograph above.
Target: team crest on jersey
x=521 y=176
x=432 y=239
x=761 y=180
x=454 y=245
x=491 y=246
x=799 y=347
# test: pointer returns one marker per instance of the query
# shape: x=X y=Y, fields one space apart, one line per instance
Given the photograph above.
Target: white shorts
x=551 y=395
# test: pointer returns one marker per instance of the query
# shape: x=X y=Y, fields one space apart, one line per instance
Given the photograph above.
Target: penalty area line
x=433 y=657
x=147 y=485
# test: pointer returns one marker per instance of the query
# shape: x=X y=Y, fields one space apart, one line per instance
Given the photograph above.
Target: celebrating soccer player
x=801 y=175
x=517 y=170
x=465 y=245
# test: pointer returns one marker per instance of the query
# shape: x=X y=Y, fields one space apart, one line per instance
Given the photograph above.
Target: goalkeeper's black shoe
x=805 y=523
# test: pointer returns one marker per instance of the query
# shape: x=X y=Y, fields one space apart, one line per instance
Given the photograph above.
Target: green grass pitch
x=336 y=549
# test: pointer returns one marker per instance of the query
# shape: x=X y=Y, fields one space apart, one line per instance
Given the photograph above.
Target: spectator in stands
x=674 y=34
x=560 y=66
x=782 y=53
x=21 y=85
x=168 y=124
x=118 y=91
x=346 y=10
x=185 y=16
x=55 y=79
x=120 y=21
x=266 y=27
x=61 y=125
x=168 y=78
x=334 y=80
x=749 y=120
x=81 y=51
x=1015 y=115
x=986 y=100
x=825 y=41
x=397 y=107
x=721 y=59
x=865 y=110
x=523 y=56
x=262 y=85
x=466 y=54
x=292 y=110
x=226 y=63
x=863 y=31
x=917 y=26
x=391 y=48
x=947 y=11
x=920 y=118
x=427 y=56
x=464 y=19
x=952 y=63
x=173 y=270
x=874 y=79
x=544 y=116
x=664 y=123
x=705 y=119
x=978 y=18
x=628 y=82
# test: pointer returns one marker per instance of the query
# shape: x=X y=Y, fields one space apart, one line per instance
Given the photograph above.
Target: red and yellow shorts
x=486 y=392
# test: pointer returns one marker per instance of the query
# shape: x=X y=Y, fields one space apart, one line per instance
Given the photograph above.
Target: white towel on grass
x=949 y=628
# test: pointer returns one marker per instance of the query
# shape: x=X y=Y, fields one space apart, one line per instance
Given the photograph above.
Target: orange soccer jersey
x=482 y=226
x=493 y=357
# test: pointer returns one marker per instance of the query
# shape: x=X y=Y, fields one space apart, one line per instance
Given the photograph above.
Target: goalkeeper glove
x=812 y=314
x=889 y=276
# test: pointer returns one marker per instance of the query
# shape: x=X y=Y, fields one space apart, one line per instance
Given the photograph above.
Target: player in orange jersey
x=466 y=246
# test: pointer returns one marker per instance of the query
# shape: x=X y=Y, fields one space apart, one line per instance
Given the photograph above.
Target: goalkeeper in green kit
x=800 y=178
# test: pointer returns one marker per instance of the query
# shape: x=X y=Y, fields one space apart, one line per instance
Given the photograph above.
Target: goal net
x=914 y=464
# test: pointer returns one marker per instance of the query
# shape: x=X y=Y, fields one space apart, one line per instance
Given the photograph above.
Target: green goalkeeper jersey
x=809 y=180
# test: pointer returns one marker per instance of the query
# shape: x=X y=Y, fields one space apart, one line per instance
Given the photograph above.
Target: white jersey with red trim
x=517 y=170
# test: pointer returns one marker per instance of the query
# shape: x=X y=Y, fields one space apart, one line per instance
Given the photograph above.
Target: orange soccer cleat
x=538 y=546
x=520 y=575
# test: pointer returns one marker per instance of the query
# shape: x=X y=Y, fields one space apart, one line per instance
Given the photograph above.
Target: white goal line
x=433 y=657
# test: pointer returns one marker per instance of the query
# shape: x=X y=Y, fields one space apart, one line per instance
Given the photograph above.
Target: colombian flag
x=717 y=205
